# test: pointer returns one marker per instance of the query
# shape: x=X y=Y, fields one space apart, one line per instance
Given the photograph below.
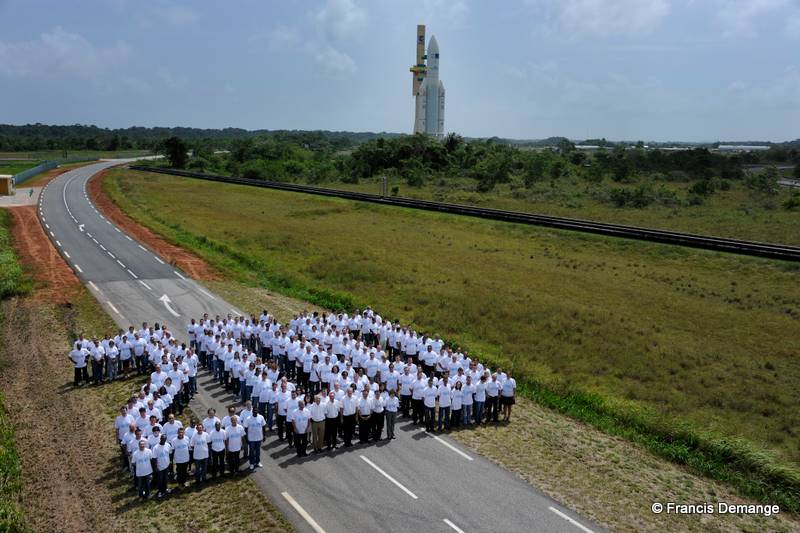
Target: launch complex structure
x=427 y=88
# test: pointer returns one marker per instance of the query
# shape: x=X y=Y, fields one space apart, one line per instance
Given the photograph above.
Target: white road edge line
x=142 y=247
x=92 y=285
x=207 y=293
x=570 y=520
x=132 y=274
x=47 y=226
x=114 y=308
x=459 y=452
x=302 y=512
x=58 y=243
x=121 y=263
x=103 y=248
x=78 y=268
x=158 y=259
x=127 y=237
x=112 y=255
x=451 y=524
x=66 y=254
x=179 y=275
x=390 y=478
x=52 y=234
x=146 y=286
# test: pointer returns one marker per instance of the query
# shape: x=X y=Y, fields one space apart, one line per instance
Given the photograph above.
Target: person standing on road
x=332 y=412
x=255 y=434
x=301 y=418
x=455 y=408
x=392 y=406
x=364 y=416
x=480 y=399
x=349 y=409
x=142 y=459
x=467 y=400
x=445 y=402
x=429 y=394
x=317 y=410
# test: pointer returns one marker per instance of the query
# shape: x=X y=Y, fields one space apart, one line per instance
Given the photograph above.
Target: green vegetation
x=688 y=353
x=15 y=166
x=13 y=280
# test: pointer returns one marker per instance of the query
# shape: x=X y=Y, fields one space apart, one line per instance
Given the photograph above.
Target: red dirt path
x=57 y=280
x=183 y=259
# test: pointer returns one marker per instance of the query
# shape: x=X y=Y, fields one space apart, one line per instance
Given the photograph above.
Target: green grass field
x=673 y=335
x=51 y=155
x=736 y=213
x=15 y=166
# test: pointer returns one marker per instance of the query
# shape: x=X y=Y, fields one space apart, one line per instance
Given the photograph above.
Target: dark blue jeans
x=254 y=449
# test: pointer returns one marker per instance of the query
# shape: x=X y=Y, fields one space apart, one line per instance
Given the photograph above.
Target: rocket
x=427 y=88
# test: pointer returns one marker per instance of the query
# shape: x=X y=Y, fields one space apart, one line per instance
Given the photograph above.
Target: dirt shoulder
x=55 y=281
x=183 y=259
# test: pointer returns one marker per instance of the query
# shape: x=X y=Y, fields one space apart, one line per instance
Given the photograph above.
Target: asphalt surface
x=417 y=482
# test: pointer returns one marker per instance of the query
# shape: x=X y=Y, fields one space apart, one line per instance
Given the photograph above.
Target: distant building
x=742 y=147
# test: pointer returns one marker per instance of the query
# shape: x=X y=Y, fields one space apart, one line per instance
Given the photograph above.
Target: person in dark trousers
x=142 y=460
x=301 y=419
x=182 y=454
x=78 y=357
x=161 y=456
x=364 y=416
x=332 y=413
x=349 y=410
x=217 y=436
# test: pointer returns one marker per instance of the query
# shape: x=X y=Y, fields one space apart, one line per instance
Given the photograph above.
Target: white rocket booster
x=429 y=97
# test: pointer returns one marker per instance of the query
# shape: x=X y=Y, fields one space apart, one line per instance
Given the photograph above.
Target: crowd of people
x=319 y=381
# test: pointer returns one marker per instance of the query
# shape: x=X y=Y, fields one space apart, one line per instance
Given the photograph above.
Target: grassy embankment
x=12 y=282
x=687 y=353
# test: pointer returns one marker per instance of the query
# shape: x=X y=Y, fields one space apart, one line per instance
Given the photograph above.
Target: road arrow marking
x=167 y=301
x=80 y=227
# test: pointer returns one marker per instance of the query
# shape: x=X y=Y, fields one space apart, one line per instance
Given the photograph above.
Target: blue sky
x=699 y=70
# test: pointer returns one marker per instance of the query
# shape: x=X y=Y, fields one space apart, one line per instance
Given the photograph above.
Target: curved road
x=418 y=482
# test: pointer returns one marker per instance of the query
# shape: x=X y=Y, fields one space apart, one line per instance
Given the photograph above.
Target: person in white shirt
x=332 y=412
x=455 y=407
x=143 y=469
x=349 y=408
x=480 y=399
x=182 y=446
x=301 y=419
x=378 y=409
x=364 y=416
x=444 y=404
x=235 y=433
x=317 y=410
x=98 y=354
x=78 y=357
x=122 y=425
x=255 y=434
x=392 y=404
x=429 y=395
x=218 y=437
x=162 y=453
x=200 y=454
x=466 y=400
x=508 y=396
x=492 y=398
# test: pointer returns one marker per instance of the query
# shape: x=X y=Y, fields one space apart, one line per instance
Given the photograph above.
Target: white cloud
x=781 y=92
x=450 y=12
x=59 y=53
x=171 y=80
x=739 y=18
x=600 y=18
x=341 y=19
x=334 y=63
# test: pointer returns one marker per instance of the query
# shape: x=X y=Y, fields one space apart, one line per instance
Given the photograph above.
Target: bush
x=639 y=197
x=198 y=163
x=793 y=202
x=702 y=187
x=765 y=182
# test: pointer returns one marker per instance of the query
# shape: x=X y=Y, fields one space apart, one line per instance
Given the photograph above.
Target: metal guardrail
x=47 y=165
x=720 y=244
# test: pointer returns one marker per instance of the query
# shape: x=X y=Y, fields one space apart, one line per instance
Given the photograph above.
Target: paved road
x=416 y=483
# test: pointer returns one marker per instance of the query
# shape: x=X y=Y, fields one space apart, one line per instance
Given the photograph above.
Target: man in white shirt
x=508 y=396
x=349 y=409
x=317 y=410
x=162 y=453
x=181 y=445
x=141 y=460
x=364 y=416
x=255 y=434
x=301 y=418
x=444 y=404
x=492 y=398
x=429 y=394
x=332 y=410
x=235 y=433
x=98 y=354
x=78 y=357
x=218 y=437
x=199 y=445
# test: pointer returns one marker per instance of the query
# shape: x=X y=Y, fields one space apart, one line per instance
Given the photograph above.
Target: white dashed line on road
x=145 y=285
x=132 y=274
x=121 y=263
x=179 y=275
x=142 y=247
x=390 y=478
x=112 y=255
x=52 y=234
x=158 y=259
x=91 y=283
x=117 y=229
x=571 y=520
x=459 y=452
x=302 y=512
x=127 y=237
x=58 y=243
x=114 y=308
x=103 y=248
x=452 y=525
x=78 y=268
x=66 y=254
x=47 y=226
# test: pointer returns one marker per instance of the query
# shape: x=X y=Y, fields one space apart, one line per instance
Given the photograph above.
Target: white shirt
x=255 y=425
x=444 y=395
x=301 y=418
x=509 y=387
x=235 y=434
x=161 y=453
x=142 y=458
x=429 y=395
x=181 y=447
x=218 y=438
x=200 y=446
x=317 y=411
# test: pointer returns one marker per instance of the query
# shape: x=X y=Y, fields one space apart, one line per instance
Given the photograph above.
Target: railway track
x=705 y=242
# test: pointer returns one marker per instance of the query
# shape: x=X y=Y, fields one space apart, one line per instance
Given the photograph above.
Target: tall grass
x=13 y=280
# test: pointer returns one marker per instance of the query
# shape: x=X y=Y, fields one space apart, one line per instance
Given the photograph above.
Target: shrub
x=639 y=197
x=793 y=202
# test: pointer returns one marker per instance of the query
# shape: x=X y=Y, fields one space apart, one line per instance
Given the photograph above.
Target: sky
x=652 y=70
